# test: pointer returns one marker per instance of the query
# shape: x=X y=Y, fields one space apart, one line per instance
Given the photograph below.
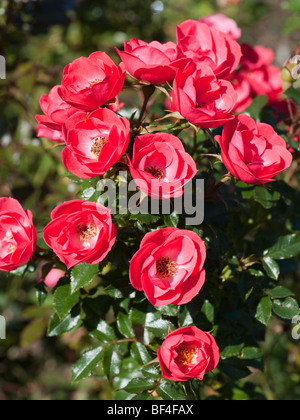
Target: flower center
x=95 y=82
x=166 y=268
x=86 y=233
x=99 y=142
x=11 y=248
x=155 y=171
x=187 y=354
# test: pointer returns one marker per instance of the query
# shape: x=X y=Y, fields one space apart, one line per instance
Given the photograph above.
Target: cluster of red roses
x=210 y=82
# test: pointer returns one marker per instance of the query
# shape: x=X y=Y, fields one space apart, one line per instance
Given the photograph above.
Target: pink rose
x=17 y=235
x=188 y=353
x=80 y=231
x=202 y=99
x=205 y=45
x=154 y=63
x=160 y=166
x=55 y=109
x=89 y=83
x=49 y=133
x=94 y=142
x=169 y=266
x=223 y=24
x=253 y=152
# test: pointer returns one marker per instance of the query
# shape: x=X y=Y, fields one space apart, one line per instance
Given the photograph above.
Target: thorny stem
x=148 y=92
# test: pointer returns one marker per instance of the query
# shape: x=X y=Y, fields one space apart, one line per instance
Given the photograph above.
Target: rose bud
x=169 y=266
x=202 y=99
x=253 y=152
x=154 y=63
x=188 y=353
x=52 y=278
x=94 y=143
x=160 y=166
x=89 y=83
x=205 y=45
x=18 y=235
x=80 y=231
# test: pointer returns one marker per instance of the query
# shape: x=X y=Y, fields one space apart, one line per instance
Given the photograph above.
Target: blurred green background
x=38 y=38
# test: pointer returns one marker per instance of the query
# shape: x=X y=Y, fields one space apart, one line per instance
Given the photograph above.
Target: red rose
x=205 y=45
x=80 y=231
x=17 y=235
x=160 y=165
x=89 y=83
x=223 y=24
x=263 y=78
x=55 y=109
x=253 y=152
x=202 y=99
x=94 y=143
x=154 y=63
x=188 y=353
x=243 y=91
x=169 y=266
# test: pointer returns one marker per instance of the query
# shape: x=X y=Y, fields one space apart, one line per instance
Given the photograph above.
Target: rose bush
x=140 y=291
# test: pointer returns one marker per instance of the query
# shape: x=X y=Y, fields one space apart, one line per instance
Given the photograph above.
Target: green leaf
x=160 y=328
x=33 y=332
x=280 y=292
x=294 y=94
x=235 y=368
x=286 y=309
x=252 y=353
x=41 y=293
x=82 y=275
x=147 y=219
x=112 y=361
x=232 y=351
x=271 y=267
x=264 y=311
x=265 y=197
x=104 y=332
x=64 y=301
x=286 y=247
x=209 y=311
x=87 y=364
x=256 y=107
x=185 y=318
x=124 y=325
x=120 y=291
x=140 y=353
x=57 y=326
x=168 y=392
x=172 y=220
x=138 y=385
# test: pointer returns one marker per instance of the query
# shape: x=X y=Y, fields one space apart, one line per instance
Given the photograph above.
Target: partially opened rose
x=253 y=152
x=154 y=63
x=223 y=24
x=89 y=83
x=188 y=353
x=169 y=266
x=55 y=109
x=206 y=45
x=160 y=166
x=202 y=99
x=94 y=142
x=80 y=231
x=17 y=235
